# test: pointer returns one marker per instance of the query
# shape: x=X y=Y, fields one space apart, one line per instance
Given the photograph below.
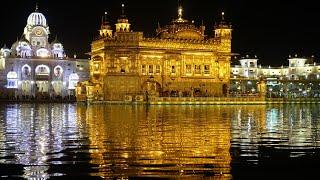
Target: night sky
x=270 y=29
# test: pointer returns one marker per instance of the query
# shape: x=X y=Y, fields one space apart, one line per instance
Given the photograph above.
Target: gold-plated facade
x=180 y=61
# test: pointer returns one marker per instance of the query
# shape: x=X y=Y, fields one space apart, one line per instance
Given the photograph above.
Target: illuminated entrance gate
x=42 y=80
x=57 y=88
x=26 y=88
x=42 y=86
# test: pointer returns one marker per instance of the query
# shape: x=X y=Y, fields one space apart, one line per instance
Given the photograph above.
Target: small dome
x=56 y=44
x=5 y=47
x=5 y=51
x=37 y=19
x=24 y=44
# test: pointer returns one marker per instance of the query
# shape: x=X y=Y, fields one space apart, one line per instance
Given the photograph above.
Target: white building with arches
x=34 y=68
x=300 y=78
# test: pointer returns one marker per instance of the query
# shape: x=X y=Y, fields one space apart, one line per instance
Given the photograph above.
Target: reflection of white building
x=33 y=67
x=298 y=69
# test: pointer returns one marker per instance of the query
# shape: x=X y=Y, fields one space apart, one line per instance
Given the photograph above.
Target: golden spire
x=123 y=24
x=104 y=18
x=223 y=23
x=180 y=10
x=122 y=10
x=105 y=30
x=222 y=16
x=123 y=15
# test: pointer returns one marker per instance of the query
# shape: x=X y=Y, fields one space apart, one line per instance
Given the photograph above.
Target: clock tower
x=37 y=30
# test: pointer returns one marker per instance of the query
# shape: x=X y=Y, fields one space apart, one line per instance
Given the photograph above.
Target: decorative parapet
x=205 y=45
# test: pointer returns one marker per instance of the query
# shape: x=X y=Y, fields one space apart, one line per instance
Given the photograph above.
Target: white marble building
x=298 y=69
x=35 y=68
x=301 y=78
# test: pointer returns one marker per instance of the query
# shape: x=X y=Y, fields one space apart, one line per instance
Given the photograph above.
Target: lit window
x=73 y=80
x=150 y=69
x=42 y=52
x=143 y=69
x=188 y=69
x=42 y=70
x=158 y=69
x=96 y=67
x=26 y=70
x=58 y=71
x=206 y=69
x=12 y=80
x=123 y=70
x=173 y=69
x=197 y=69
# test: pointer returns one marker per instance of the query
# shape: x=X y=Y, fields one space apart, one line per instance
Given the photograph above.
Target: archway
x=57 y=87
x=12 y=80
x=42 y=70
x=26 y=88
x=57 y=71
x=151 y=87
x=26 y=70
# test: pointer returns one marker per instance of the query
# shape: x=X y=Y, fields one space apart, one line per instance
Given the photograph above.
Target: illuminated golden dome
x=181 y=29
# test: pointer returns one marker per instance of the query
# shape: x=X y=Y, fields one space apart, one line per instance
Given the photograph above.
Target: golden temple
x=180 y=61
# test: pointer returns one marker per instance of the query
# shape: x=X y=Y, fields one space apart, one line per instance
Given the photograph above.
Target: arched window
x=42 y=70
x=96 y=64
x=26 y=70
x=58 y=71
x=73 y=80
x=96 y=67
x=12 y=80
x=42 y=52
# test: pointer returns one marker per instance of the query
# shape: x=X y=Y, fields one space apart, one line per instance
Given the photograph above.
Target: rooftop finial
x=37 y=7
x=180 y=10
x=122 y=5
x=222 y=16
x=104 y=18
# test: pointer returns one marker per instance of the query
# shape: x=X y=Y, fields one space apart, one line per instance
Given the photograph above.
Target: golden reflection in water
x=166 y=141
x=148 y=141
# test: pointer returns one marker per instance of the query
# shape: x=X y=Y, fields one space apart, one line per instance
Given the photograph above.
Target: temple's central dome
x=37 y=19
x=181 y=29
